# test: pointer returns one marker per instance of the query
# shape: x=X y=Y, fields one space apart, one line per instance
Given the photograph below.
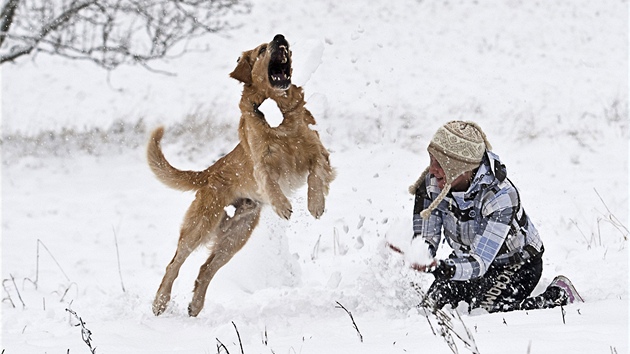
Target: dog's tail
x=167 y=174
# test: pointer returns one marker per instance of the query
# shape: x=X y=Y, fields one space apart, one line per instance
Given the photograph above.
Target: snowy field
x=86 y=226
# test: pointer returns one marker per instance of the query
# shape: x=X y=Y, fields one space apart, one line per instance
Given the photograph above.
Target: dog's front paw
x=283 y=208
x=159 y=304
x=316 y=206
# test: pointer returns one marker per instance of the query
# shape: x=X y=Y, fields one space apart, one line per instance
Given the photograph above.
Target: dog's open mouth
x=280 y=63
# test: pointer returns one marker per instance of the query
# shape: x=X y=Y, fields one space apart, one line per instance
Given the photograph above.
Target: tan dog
x=263 y=168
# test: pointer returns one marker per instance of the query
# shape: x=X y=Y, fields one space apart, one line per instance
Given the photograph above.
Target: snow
x=548 y=82
x=419 y=253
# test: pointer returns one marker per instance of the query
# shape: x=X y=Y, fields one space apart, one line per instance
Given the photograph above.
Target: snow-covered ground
x=86 y=226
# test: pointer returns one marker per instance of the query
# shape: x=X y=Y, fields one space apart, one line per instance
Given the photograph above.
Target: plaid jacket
x=484 y=225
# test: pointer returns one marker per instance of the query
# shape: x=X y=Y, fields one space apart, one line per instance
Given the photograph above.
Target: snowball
x=230 y=210
x=272 y=113
x=399 y=233
x=419 y=253
x=415 y=250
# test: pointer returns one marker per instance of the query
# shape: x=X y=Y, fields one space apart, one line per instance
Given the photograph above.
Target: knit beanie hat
x=458 y=147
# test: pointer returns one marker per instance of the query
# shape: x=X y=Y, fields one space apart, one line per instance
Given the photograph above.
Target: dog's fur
x=267 y=164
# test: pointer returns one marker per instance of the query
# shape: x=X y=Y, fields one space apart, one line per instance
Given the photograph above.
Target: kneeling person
x=465 y=195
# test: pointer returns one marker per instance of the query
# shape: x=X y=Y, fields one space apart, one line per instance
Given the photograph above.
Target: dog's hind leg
x=201 y=218
x=232 y=234
x=163 y=295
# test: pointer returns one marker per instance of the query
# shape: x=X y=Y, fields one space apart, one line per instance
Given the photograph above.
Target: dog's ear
x=243 y=70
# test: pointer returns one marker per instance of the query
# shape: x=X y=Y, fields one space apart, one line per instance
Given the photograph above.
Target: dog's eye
x=262 y=49
x=239 y=59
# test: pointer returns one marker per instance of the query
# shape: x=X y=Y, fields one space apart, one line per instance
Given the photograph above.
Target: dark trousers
x=502 y=288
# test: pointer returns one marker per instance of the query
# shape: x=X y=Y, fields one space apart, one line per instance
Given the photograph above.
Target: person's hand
x=443 y=270
x=426 y=268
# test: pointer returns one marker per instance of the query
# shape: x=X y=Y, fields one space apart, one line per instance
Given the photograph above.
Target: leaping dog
x=266 y=166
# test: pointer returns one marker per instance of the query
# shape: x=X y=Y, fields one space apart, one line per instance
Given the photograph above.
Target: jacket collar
x=483 y=177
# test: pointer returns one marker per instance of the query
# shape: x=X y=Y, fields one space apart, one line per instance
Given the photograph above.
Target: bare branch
x=109 y=32
x=613 y=219
x=86 y=334
x=6 y=18
x=118 y=259
x=9 y=294
x=36 y=281
x=48 y=28
x=446 y=323
x=221 y=346
x=239 y=337
x=64 y=18
x=351 y=318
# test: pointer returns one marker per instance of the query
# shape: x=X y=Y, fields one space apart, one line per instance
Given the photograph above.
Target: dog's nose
x=280 y=41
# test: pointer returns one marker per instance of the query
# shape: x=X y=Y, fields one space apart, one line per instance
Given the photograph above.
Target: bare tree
x=109 y=32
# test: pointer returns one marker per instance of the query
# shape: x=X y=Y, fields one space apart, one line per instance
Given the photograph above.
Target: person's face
x=436 y=170
x=460 y=183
